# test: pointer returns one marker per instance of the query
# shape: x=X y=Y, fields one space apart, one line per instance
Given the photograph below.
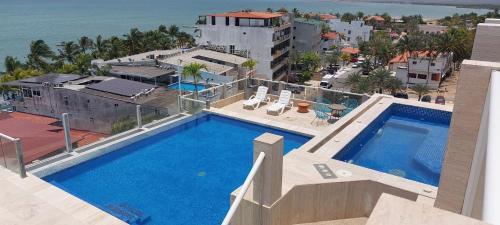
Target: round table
x=303 y=107
x=336 y=109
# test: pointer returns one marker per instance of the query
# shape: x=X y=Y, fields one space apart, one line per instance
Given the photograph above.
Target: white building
x=263 y=36
x=306 y=35
x=421 y=70
x=354 y=31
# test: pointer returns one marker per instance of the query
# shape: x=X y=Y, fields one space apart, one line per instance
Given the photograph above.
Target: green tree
x=360 y=15
x=379 y=79
x=348 y=17
x=11 y=63
x=250 y=64
x=193 y=70
x=345 y=57
x=101 y=48
x=68 y=51
x=86 y=44
x=420 y=90
x=40 y=56
x=394 y=85
x=311 y=61
x=304 y=76
x=133 y=41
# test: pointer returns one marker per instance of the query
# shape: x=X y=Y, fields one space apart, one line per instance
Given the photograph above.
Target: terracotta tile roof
x=376 y=18
x=327 y=17
x=251 y=15
x=329 y=35
x=351 y=50
x=38 y=136
x=403 y=58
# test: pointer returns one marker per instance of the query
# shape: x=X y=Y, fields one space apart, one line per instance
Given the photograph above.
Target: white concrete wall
x=357 y=29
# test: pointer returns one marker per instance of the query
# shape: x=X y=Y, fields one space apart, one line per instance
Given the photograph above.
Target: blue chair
x=350 y=103
x=321 y=111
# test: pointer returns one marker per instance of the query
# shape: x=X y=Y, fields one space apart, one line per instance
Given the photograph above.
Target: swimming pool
x=405 y=141
x=181 y=176
x=187 y=86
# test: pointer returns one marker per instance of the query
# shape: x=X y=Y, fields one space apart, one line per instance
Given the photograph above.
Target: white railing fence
x=491 y=198
x=244 y=188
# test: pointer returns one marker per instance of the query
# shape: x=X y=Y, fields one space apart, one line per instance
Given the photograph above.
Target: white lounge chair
x=279 y=105
x=255 y=100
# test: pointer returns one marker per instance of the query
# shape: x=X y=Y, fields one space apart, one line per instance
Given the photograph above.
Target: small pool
x=181 y=176
x=187 y=86
x=405 y=141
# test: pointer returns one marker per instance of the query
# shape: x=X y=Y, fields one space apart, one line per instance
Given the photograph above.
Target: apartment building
x=263 y=36
x=353 y=31
x=306 y=35
x=422 y=69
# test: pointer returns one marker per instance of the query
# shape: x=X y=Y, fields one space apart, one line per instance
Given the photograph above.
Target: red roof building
x=351 y=51
x=375 y=18
x=327 y=17
x=329 y=36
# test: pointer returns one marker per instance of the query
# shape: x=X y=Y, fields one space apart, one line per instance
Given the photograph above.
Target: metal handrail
x=19 y=154
x=491 y=197
x=243 y=189
x=7 y=137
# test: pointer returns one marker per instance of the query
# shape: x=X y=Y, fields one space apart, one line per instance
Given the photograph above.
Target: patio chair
x=321 y=111
x=350 y=103
x=255 y=100
x=279 y=105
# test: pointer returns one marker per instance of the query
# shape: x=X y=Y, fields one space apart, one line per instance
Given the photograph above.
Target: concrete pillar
x=67 y=132
x=139 y=116
x=267 y=182
x=223 y=91
x=20 y=158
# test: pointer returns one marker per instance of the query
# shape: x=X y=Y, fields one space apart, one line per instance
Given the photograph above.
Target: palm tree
x=408 y=46
x=420 y=90
x=296 y=12
x=173 y=32
x=431 y=53
x=394 y=85
x=345 y=57
x=11 y=64
x=184 y=39
x=379 y=79
x=354 y=79
x=86 y=43
x=116 y=48
x=360 y=15
x=193 y=70
x=40 y=56
x=249 y=64
x=100 y=48
x=68 y=51
x=133 y=41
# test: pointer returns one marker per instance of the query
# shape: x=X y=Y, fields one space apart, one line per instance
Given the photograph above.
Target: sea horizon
x=55 y=21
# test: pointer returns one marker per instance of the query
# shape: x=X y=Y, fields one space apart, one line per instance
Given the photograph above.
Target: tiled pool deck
x=38 y=202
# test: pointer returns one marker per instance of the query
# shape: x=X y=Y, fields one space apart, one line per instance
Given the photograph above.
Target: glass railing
x=11 y=155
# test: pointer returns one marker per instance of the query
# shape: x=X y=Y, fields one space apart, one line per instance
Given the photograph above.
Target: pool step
x=351 y=221
x=127 y=213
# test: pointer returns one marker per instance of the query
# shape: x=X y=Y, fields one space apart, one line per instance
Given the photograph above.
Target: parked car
x=354 y=60
x=401 y=95
x=440 y=100
x=355 y=65
x=426 y=98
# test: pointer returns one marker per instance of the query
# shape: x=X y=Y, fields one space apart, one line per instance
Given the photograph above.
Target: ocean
x=22 y=21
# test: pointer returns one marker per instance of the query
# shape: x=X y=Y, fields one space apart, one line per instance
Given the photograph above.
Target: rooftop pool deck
x=187 y=86
x=405 y=141
x=180 y=176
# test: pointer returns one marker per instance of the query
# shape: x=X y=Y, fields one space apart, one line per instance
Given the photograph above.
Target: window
x=412 y=75
x=66 y=102
x=213 y=20
x=361 y=24
x=348 y=38
x=436 y=76
x=422 y=76
x=237 y=21
x=349 y=32
x=37 y=93
x=27 y=93
x=227 y=21
x=231 y=49
x=414 y=62
x=116 y=105
x=433 y=64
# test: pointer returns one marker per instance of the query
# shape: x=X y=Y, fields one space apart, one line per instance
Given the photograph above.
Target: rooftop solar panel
x=52 y=78
x=121 y=87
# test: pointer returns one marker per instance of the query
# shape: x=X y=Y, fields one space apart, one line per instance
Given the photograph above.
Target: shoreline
x=461 y=6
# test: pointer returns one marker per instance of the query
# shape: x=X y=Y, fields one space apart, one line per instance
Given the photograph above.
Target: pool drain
x=202 y=173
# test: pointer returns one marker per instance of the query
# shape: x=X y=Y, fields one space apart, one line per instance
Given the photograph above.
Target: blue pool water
x=405 y=141
x=187 y=86
x=181 y=176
